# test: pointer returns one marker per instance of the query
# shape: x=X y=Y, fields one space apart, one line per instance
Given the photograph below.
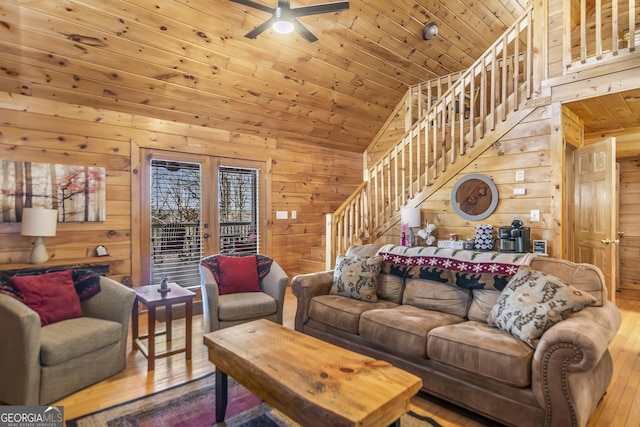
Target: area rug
x=193 y=405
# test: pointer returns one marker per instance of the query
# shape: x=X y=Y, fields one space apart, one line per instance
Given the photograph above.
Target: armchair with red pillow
x=63 y=331
x=238 y=288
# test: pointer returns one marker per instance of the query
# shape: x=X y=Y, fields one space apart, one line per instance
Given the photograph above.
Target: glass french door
x=197 y=206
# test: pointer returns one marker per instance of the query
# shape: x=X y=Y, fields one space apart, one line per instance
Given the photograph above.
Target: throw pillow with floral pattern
x=357 y=277
x=534 y=301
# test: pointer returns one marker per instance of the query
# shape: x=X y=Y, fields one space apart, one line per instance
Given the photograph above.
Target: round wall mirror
x=474 y=197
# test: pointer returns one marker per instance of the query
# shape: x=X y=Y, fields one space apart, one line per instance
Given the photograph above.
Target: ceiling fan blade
x=259 y=29
x=320 y=8
x=255 y=5
x=303 y=31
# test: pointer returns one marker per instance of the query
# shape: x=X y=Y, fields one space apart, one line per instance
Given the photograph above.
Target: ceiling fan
x=284 y=17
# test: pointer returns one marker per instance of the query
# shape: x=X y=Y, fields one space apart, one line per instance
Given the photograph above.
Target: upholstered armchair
x=41 y=364
x=228 y=307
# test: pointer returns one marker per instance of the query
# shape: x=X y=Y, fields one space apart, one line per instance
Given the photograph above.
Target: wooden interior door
x=596 y=209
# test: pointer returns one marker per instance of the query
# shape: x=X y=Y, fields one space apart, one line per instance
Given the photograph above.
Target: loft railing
x=598 y=31
x=472 y=105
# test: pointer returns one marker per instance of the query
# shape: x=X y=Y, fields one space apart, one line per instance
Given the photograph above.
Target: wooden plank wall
x=309 y=179
x=526 y=147
x=629 y=223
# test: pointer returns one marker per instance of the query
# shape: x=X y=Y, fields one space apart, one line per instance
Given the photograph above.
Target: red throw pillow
x=52 y=295
x=237 y=274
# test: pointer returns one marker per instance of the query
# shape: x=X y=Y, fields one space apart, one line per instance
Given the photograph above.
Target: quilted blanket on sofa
x=463 y=268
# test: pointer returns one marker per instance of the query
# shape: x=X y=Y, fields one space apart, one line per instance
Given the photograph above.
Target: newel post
x=329 y=242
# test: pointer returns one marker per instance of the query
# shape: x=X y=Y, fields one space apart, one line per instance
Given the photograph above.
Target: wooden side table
x=151 y=297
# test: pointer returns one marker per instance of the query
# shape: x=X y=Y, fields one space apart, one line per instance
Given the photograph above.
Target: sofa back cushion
x=431 y=295
x=584 y=277
x=390 y=288
x=482 y=302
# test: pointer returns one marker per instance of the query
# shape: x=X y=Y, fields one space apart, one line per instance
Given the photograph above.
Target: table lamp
x=411 y=218
x=39 y=223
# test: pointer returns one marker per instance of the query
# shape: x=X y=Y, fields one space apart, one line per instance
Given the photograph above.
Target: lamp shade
x=39 y=222
x=410 y=216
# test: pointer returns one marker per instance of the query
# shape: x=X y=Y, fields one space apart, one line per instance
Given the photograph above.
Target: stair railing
x=347 y=225
x=470 y=109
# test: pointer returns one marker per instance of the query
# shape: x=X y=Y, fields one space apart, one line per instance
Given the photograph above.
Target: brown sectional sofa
x=440 y=333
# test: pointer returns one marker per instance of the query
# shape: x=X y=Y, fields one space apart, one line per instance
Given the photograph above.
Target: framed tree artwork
x=77 y=192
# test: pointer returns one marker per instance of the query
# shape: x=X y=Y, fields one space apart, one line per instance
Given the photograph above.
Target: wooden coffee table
x=309 y=380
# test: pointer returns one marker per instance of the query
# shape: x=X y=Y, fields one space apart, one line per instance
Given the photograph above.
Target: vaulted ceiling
x=188 y=60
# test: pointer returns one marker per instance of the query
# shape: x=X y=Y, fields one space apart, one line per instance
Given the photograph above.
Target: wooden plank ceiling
x=607 y=113
x=188 y=60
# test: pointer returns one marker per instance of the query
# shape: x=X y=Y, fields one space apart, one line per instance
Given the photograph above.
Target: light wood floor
x=620 y=406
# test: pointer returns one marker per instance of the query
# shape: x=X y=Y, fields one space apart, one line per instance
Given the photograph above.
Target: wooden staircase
x=448 y=123
x=316 y=260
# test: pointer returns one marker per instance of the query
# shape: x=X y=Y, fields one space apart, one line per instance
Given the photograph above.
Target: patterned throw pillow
x=534 y=301
x=357 y=277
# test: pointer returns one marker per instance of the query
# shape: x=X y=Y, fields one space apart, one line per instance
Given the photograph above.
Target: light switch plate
x=282 y=214
x=519 y=176
x=519 y=191
x=294 y=214
x=535 y=215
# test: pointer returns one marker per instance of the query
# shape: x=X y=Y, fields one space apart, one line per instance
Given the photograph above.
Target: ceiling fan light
x=282 y=26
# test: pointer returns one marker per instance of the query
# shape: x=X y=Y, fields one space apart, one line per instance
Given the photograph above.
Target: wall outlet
x=519 y=191
x=535 y=215
x=282 y=214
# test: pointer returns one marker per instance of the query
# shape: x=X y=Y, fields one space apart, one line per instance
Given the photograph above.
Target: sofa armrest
x=305 y=287
x=20 y=358
x=572 y=367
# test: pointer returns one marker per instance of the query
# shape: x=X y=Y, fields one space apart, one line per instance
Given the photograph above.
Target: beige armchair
x=41 y=364
x=223 y=311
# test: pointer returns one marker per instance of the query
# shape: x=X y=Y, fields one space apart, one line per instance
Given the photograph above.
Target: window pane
x=175 y=222
x=237 y=210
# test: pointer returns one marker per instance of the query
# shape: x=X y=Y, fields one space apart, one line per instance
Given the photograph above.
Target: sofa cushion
x=357 y=277
x=341 y=312
x=370 y=249
x=482 y=301
x=403 y=328
x=479 y=348
x=68 y=339
x=534 y=301
x=246 y=305
x=390 y=288
x=51 y=295
x=584 y=277
x=436 y=296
